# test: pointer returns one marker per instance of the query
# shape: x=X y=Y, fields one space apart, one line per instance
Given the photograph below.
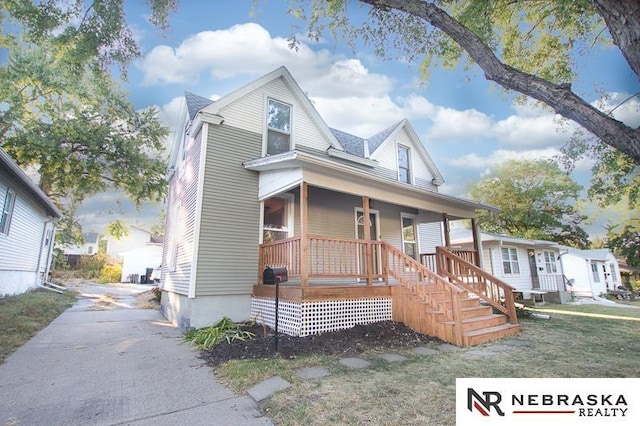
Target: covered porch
x=351 y=253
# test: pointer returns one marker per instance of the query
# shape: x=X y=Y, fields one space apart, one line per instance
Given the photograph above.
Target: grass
x=578 y=341
x=22 y=316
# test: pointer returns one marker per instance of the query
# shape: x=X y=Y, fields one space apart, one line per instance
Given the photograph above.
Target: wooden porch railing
x=470 y=277
x=430 y=260
x=327 y=257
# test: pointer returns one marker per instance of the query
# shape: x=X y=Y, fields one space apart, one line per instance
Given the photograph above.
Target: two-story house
x=258 y=180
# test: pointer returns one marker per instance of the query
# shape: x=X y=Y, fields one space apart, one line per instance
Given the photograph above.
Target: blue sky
x=466 y=123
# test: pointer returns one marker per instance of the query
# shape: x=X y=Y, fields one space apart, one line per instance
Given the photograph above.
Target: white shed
x=136 y=262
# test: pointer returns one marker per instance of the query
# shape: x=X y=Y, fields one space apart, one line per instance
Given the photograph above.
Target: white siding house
x=135 y=239
x=89 y=247
x=27 y=230
x=137 y=262
x=532 y=267
x=593 y=272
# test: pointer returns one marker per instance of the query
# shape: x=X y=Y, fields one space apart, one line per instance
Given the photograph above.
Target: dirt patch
x=147 y=300
x=104 y=302
x=376 y=337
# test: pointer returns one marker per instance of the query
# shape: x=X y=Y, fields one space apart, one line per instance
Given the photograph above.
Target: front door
x=373 y=228
x=533 y=266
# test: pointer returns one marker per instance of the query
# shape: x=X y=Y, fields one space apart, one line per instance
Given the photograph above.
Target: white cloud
x=532 y=131
x=451 y=124
x=624 y=108
x=483 y=164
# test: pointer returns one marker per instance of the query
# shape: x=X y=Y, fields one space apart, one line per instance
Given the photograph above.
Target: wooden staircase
x=468 y=308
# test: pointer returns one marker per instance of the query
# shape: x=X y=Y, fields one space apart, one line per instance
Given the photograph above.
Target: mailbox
x=274 y=275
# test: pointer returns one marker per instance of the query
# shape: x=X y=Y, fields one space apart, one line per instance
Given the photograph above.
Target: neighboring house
x=257 y=180
x=90 y=246
x=593 y=272
x=136 y=238
x=531 y=267
x=628 y=274
x=27 y=230
x=140 y=262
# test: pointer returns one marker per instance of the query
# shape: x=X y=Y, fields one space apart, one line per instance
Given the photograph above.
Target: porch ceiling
x=279 y=173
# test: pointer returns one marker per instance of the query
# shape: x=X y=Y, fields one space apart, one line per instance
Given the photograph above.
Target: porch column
x=447 y=230
x=367 y=238
x=477 y=241
x=304 y=242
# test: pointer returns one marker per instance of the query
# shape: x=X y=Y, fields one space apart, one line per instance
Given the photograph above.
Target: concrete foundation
x=203 y=311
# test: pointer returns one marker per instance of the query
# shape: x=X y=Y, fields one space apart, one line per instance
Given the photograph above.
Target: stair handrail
x=449 y=262
x=455 y=293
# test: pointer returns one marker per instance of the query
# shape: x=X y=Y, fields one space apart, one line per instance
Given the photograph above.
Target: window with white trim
x=7 y=212
x=510 y=264
x=550 y=262
x=404 y=164
x=278 y=127
x=409 y=236
x=275 y=219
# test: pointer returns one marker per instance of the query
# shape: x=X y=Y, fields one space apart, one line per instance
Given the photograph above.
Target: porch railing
x=430 y=260
x=470 y=277
x=552 y=282
x=326 y=257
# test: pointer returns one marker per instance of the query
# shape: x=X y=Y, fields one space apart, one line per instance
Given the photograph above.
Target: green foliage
x=110 y=274
x=625 y=242
x=117 y=229
x=90 y=267
x=224 y=331
x=536 y=199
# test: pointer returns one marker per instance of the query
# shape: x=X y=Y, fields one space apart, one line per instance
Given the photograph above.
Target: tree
x=625 y=242
x=524 y=46
x=117 y=229
x=536 y=199
x=65 y=116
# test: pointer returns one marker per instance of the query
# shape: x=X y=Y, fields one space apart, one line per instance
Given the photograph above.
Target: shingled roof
x=195 y=103
x=355 y=145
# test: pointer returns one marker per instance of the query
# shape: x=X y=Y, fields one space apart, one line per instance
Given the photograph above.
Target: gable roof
x=281 y=72
x=593 y=254
x=355 y=144
x=195 y=103
x=40 y=197
x=462 y=236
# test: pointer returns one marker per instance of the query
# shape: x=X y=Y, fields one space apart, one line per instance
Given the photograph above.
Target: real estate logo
x=552 y=401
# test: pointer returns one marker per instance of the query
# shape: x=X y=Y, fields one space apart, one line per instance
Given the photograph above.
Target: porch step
x=476 y=337
x=483 y=322
x=476 y=311
x=470 y=302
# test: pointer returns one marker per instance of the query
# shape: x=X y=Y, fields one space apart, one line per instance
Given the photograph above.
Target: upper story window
x=278 y=127
x=550 y=262
x=7 y=212
x=510 y=264
x=404 y=164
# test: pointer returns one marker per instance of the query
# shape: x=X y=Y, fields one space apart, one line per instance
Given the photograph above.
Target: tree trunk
x=559 y=97
x=623 y=20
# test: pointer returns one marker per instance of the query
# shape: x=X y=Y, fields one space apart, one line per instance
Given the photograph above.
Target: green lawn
x=22 y=316
x=578 y=341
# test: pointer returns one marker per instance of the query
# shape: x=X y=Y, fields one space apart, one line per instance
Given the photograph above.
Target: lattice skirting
x=305 y=318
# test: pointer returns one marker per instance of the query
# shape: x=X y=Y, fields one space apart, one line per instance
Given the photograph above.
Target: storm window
x=7 y=212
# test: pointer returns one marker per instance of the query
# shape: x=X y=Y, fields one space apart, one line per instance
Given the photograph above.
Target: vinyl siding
x=180 y=230
x=430 y=235
x=521 y=281
x=387 y=155
x=249 y=113
x=21 y=248
x=227 y=261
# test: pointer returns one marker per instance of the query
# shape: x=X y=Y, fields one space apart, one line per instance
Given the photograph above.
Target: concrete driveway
x=112 y=367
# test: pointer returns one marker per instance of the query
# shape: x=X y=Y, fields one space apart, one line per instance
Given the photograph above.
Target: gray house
x=27 y=230
x=260 y=187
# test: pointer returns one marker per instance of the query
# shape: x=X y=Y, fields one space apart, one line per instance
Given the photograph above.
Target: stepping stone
x=310 y=373
x=355 y=362
x=514 y=342
x=423 y=350
x=266 y=388
x=478 y=352
x=393 y=357
x=500 y=348
x=446 y=347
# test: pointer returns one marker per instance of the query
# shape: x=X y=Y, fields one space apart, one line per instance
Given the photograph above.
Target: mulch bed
x=377 y=337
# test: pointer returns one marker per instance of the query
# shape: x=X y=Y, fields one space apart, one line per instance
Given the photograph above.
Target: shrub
x=224 y=330
x=91 y=266
x=110 y=274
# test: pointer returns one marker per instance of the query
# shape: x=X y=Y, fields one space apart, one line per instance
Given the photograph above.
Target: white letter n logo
x=483 y=405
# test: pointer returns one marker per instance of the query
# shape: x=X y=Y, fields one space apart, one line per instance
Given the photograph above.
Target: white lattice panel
x=303 y=319
x=331 y=315
x=289 y=315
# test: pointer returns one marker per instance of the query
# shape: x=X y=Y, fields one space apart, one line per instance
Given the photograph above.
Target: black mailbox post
x=274 y=275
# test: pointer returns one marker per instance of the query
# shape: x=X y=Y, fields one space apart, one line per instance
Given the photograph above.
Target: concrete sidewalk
x=121 y=366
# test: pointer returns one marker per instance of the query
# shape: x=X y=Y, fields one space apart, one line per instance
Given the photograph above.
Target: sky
x=467 y=124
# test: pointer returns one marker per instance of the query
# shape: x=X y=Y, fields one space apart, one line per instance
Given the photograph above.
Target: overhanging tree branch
x=560 y=97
